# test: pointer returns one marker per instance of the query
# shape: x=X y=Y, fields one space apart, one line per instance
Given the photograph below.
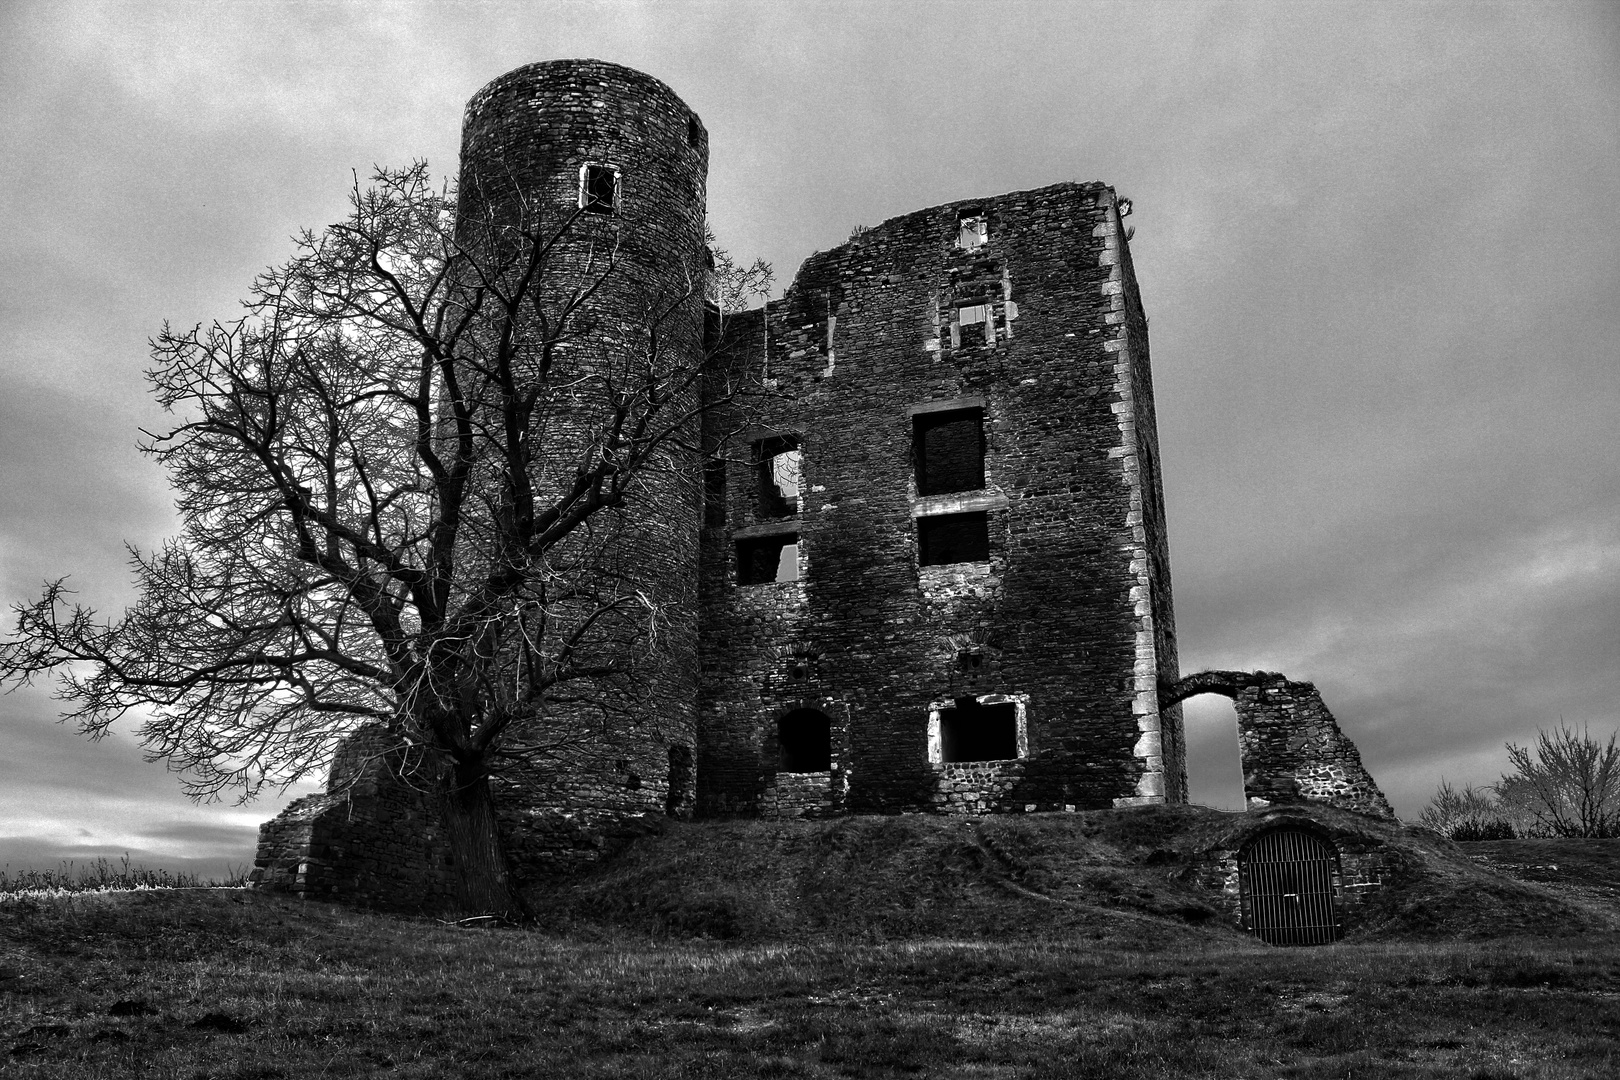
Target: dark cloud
x=1379 y=245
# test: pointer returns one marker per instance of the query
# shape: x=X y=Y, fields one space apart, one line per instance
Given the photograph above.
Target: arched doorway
x=1288 y=878
x=1214 y=759
x=804 y=738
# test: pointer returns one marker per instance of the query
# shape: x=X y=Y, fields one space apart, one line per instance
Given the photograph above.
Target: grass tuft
x=105 y=876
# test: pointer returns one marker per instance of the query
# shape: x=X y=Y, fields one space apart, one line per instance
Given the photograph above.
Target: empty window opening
x=971 y=731
x=949 y=451
x=970 y=662
x=1214 y=761
x=805 y=739
x=953 y=538
x=694 y=131
x=972 y=231
x=780 y=474
x=714 y=494
x=599 y=189
x=762 y=560
x=972 y=314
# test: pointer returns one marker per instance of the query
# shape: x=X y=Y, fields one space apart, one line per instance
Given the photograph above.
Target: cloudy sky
x=1378 y=244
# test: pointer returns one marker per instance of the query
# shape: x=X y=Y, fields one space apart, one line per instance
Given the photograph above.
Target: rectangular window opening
x=972 y=231
x=780 y=471
x=599 y=189
x=953 y=538
x=763 y=560
x=949 y=451
x=971 y=731
x=972 y=314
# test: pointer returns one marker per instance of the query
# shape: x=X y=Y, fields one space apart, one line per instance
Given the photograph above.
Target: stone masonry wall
x=375 y=837
x=1292 y=748
x=1064 y=611
x=612 y=748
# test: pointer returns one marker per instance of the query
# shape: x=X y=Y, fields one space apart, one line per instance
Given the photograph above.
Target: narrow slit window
x=971 y=731
x=972 y=231
x=949 y=451
x=781 y=474
x=763 y=560
x=599 y=189
x=714 y=494
x=953 y=538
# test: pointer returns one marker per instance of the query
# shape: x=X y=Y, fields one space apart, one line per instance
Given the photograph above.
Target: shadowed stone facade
x=930 y=574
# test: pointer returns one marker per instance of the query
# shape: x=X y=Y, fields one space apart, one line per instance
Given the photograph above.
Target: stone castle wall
x=628 y=749
x=1063 y=610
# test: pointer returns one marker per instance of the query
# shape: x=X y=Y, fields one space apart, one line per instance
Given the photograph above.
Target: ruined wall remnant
x=1292 y=748
x=375 y=836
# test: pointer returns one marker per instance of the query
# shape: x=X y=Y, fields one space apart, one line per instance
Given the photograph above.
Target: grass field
x=227 y=983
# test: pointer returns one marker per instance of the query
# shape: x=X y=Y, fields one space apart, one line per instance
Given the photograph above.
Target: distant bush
x=1484 y=829
x=1470 y=814
x=104 y=876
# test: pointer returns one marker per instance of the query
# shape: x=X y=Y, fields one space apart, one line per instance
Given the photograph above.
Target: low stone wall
x=796 y=795
x=374 y=838
x=975 y=787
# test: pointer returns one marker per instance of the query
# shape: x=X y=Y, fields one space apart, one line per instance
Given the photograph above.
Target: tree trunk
x=485 y=885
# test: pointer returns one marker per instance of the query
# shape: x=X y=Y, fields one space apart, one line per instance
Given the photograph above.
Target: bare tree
x=399 y=477
x=1567 y=784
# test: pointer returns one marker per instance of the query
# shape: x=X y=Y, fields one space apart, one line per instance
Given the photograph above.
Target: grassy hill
x=1040 y=947
x=1134 y=877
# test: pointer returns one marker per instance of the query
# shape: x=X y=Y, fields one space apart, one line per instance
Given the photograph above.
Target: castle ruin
x=931 y=573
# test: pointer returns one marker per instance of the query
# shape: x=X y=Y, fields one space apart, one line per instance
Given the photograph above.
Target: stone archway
x=1292 y=748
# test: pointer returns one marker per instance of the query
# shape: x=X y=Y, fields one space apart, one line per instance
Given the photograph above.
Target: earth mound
x=1139 y=877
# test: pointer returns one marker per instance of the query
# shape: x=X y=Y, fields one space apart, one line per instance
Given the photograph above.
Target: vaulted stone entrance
x=1289 y=880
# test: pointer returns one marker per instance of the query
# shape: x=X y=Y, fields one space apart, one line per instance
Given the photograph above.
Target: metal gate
x=1287 y=878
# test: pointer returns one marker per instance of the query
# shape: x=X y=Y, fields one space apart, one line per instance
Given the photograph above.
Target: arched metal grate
x=1287 y=877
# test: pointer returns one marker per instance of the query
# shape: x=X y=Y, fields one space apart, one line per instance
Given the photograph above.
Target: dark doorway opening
x=805 y=739
x=971 y=731
x=679 y=798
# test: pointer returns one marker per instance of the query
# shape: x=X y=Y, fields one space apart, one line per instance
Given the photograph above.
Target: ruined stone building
x=931 y=575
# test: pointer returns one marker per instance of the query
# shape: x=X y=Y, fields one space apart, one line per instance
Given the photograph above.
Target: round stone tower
x=606 y=166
